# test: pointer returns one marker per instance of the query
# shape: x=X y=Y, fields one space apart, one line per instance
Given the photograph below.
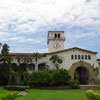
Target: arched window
x=82 y=56
x=55 y=35
x=75 y=56
x=78 y=56
x=58 y=35
x=31 y=67
x=72 y=57
x=89 y=57
x=85 y=56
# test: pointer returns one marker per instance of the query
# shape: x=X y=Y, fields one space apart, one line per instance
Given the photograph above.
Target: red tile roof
x=98 y=59
x=73 y=49
x=24 y=54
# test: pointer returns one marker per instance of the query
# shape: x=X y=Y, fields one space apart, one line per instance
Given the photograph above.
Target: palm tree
x=96 y=69
x=9 y=59
x=27 y=59
x=6 y=62
x=36 y=56
x=19 y=58
x=56 y=61
x=5 y=50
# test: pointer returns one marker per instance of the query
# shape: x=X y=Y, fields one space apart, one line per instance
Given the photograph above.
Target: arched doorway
x=86 y=68
x=81 y=75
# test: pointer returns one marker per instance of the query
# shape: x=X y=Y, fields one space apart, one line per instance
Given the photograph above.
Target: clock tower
x=55 y=41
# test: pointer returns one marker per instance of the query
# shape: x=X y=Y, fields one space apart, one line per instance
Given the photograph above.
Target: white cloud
x=18 y=18
x=29 y=15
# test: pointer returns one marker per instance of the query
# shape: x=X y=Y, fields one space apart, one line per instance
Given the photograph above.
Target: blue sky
x=24 y=24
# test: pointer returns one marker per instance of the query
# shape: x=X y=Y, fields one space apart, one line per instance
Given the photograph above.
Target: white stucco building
x=75 y=60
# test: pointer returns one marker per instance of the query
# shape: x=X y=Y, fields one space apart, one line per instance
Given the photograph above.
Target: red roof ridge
x=73 y=48
x=98 y=59
x=42 y=54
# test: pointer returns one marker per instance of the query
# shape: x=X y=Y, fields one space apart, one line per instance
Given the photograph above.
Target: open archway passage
x=81 y=74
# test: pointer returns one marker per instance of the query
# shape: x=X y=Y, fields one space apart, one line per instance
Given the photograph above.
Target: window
x=99 y=63
x=31 y=68
x=82 y=56
x=89 y=57
x=75 y=56
x=58 y=35
x=72 y=57
x=85 y=57
x=55 y=35
x=78 y=56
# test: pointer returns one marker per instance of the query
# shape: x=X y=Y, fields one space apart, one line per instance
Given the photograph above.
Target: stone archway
x=81 y=75
x=92 y=76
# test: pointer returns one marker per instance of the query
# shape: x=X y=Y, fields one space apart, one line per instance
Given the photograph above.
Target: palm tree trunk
x=36 y=66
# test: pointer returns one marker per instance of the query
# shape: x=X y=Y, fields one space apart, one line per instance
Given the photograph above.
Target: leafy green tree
x=49 y=77
x=60 y=77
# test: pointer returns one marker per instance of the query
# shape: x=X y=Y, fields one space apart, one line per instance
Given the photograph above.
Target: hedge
x=93 y=95
x=48 y=78
x=16 y=87
x=8 y=96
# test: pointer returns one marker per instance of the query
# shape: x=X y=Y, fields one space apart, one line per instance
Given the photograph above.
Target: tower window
x=55 y=35
x=72 y=57
x=58 y=35
x=75 y=56
x=78 y=56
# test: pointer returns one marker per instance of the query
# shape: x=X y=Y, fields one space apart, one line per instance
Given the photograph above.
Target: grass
x=2 y=91
x=37 y=94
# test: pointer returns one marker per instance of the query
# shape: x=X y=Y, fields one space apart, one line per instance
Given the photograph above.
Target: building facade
x=79 y=62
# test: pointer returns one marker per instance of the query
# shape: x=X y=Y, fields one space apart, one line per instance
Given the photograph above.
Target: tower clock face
x=56 y=45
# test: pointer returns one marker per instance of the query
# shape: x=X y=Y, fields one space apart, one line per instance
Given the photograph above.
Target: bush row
x=16 y=87
x=8 y=96
x=50 y=77
x=93 y=95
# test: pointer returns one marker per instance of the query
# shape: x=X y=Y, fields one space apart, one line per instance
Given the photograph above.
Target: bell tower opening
x=55 y=41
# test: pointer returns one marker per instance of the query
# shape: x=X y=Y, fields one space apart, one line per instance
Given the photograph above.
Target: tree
x=4 y=68
x=27 y=59
x=19 y=58
x=56 y=60
x=36 y=56
x=96 y=69
x=5 y=50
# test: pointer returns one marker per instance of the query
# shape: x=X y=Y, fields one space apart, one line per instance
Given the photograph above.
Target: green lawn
x=37 y=94
x=2 y=91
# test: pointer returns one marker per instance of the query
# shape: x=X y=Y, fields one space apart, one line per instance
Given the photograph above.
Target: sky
x=24 y=24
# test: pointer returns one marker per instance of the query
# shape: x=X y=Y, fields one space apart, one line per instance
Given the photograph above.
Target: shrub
x=51 y=77
x=39 y=78
x=60 y=77
x=93 y=95
x=74 y=84
x=8 y=96
x=16 y=87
